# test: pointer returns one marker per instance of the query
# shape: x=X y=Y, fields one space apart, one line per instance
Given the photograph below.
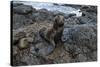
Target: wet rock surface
x=22 y=9
x=79 y=39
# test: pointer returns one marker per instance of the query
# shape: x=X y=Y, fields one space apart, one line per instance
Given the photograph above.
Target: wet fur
x=53 y=35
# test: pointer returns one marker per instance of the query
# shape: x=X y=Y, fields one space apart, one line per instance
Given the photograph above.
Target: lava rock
x=88 y=18
x=89 y=15
x=15 y=50
x=42 y=49
x=23 y=9
x=80 y=40
x=89 y=9
x=71 y=21
x=20 y=21
x=41 y=15
x=16 y=4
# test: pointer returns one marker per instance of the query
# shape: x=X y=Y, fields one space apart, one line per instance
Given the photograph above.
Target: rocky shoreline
x=79 y=36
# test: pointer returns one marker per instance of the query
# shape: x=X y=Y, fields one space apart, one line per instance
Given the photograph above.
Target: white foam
x=52 y=7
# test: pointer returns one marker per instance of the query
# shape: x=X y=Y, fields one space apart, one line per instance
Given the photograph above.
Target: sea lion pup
x=53 y=35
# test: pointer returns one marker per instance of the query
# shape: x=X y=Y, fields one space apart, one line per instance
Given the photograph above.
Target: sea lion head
x=58 y=21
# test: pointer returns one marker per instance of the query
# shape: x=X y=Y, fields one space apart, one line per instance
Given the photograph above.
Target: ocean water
x=52 y=7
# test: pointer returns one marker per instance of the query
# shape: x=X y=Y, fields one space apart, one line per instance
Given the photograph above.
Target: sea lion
x=53 y=35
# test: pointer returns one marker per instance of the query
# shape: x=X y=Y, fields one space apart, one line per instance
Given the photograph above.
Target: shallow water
x=52 y=7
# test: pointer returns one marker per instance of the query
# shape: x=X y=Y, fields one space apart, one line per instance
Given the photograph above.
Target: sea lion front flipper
x=42 y=33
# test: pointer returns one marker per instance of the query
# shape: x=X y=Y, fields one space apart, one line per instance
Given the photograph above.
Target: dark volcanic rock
x=20 y=21
x=42 y=15
x=88 y=18
x=55 y=4
x=17 y=4
x=89 y=9
x=15 y=50
x=24 y=57
x=71 y=21
x=89 y=15
x=73 y=6
x=42 y=49
x=23 y=9
x=81 y=40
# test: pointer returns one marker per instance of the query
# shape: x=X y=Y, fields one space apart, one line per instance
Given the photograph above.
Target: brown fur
x=54 y=34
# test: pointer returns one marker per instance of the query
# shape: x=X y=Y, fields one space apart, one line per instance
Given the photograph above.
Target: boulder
x=89 y=15
x=71 y=21
x=17 y=4
x=20 y=21
x=23 y=9
x=80 y=39
x=42 y=15
x=88 y=18
x=89 y=8
x=42 y=49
